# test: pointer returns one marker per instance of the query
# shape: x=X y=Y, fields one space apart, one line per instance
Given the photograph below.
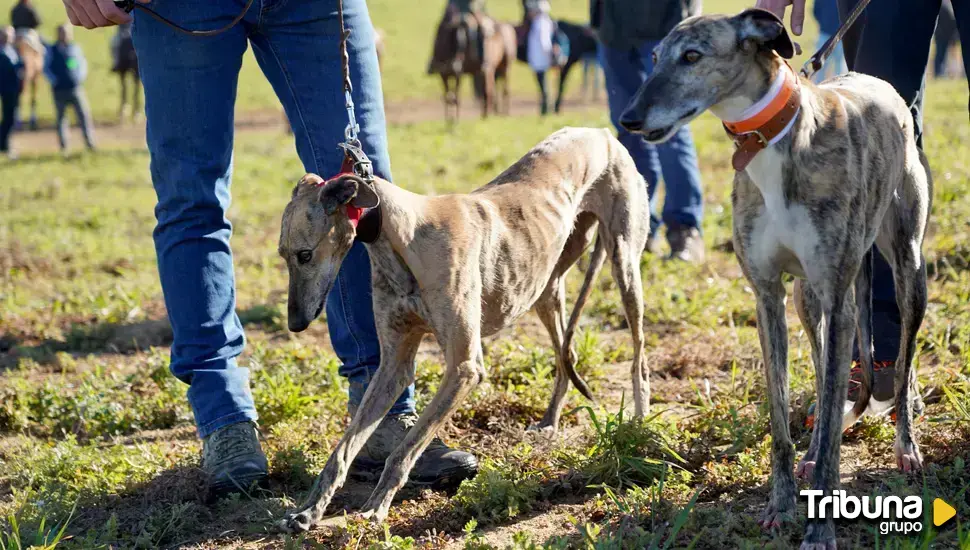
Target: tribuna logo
x=898 y=515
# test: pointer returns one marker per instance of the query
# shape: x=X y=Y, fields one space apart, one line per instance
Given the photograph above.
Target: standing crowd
x=61 y=62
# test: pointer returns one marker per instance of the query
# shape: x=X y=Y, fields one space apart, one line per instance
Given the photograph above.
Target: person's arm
x=778 y=8
x=48 y=69
x=35 y=18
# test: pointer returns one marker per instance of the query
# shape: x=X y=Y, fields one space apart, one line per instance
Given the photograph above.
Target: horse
x=32 y=52
x=125 y=63
x=582 y=44
x=454 y=55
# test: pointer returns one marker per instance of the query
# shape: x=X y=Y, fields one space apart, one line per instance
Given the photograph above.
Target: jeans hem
x=246 y=415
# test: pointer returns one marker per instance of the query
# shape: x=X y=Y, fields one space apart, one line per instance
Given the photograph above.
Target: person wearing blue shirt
x=11 y=83
x=66 y=69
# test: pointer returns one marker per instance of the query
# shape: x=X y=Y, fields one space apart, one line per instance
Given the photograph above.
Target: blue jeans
x=873 y=46
x=190 y=89
x=626 y=71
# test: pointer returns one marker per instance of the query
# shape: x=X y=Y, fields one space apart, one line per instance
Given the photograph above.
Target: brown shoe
x=686 y=244
x=653 y=245
x=233 y=460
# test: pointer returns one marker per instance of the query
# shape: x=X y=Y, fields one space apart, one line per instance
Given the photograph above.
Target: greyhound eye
x=653 y=57
x=304 y=256
x=691 y=56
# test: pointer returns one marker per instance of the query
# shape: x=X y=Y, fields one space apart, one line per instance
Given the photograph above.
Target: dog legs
x=395 y=373
x=551 y=309
x=626 y=272
x=465 y=371
x=839 y=306
x=809 y=309
x=773 y=331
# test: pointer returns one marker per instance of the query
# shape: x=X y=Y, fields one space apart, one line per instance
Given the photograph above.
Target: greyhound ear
x=309 y=181
x=767 y=31
x=347 y=189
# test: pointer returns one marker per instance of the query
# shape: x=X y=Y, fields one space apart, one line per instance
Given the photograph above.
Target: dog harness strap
x=772 y=121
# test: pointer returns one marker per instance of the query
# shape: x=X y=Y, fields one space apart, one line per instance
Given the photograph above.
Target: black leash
x=815 y=63
x=129 y=5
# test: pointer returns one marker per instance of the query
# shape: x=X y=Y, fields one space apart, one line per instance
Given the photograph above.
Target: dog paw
x=819 y=536
x=908 y=457
x=776 y=515
x=542 y=429
x=297 y=522
x=805 y=470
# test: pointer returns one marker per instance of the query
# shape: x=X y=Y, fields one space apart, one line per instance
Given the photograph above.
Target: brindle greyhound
x=462 y=267
x=823 y=172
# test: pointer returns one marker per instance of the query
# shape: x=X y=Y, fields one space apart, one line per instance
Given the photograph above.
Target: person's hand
x=778 y=7
x=92 y=14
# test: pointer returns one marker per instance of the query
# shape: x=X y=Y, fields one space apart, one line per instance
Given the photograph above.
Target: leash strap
x=350 y=133
x=815 y=63
x=128 y=5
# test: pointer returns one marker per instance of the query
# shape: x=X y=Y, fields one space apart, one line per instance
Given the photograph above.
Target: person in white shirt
x=540 y=50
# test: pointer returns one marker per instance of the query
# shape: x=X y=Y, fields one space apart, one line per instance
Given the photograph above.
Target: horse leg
x=33 y=104
x=124 y=97
x=563 y=73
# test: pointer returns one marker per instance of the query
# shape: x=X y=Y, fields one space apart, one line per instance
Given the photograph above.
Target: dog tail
x=863 y=296
x=595 y=264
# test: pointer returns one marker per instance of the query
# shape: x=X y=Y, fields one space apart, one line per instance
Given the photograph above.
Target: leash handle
x=129 y=5
x=815 y=63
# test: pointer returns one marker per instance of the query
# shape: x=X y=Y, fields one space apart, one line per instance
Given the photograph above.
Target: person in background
x=24 y=16
x=873 y=46
x=827 y=15
x=539 y=46
x=11 y=84
x=66 y=69
x=628 y=31
x=945 y=36
x=190 y=88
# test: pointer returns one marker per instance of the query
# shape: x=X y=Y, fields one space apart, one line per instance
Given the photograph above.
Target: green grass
x=91 y=422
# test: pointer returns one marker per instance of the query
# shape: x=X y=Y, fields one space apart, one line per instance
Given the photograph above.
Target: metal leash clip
x=358 y=161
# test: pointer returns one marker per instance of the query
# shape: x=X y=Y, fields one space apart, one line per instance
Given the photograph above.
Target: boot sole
x=239 y=484
x=363 y=469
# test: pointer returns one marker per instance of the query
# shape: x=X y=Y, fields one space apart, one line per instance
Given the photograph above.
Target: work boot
x=438 y=467
x=653 y=245
x=233 y=460
x=883 y=398
x=686 y=244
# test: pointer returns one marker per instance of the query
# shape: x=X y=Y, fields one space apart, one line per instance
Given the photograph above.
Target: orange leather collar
x=770 y=121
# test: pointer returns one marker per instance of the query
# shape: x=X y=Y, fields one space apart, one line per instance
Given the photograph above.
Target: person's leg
x=961 y=13
x=873 y=47
x=190 y=91
x=60 y=107
x=624 y=73
x=684 y=204
x=83 y=112
x=543 y=98
x=7 y=118
x=304 y=41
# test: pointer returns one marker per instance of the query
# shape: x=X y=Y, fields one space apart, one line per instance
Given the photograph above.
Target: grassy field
x=96 y=437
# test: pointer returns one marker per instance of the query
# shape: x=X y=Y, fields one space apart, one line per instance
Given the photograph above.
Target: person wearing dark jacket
x=11 y=83
x=66 y=69
x=628 y=31
x=24 y=16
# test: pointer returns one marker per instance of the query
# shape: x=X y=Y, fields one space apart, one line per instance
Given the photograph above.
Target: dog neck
x=761 y=116
x=399 y=210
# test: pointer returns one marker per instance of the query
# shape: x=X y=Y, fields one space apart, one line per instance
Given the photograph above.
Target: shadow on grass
x=114 y=337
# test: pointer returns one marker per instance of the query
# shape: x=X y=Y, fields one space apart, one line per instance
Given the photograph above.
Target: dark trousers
x=874 y=46
x=8 y=106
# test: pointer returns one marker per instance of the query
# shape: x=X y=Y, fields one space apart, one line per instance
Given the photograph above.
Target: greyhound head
x=702 y=62
x=315 y=236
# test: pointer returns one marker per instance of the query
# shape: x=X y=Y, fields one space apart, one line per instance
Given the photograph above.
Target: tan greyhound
x=462 y=267
x=823 y=172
